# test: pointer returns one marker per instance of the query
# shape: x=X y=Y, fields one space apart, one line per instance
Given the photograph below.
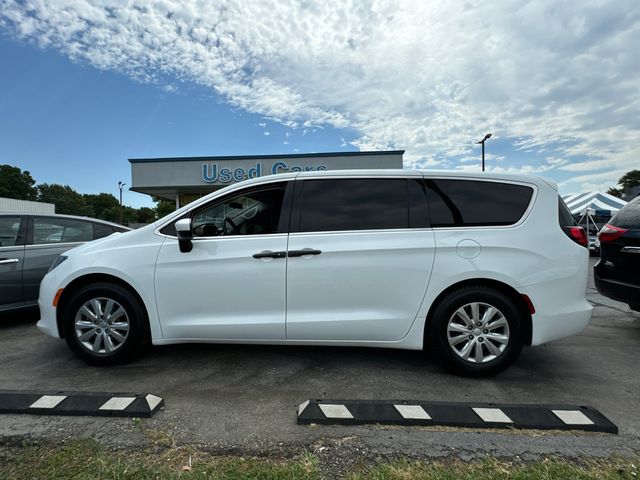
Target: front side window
x=354 y=204
x=473 y=203
x=61 y=230
x=254 y=212
x=9 y=230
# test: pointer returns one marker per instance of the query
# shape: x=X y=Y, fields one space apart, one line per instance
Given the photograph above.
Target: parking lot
x=244 y=398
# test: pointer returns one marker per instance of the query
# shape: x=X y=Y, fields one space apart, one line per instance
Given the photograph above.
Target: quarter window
x=564 y=214
x=454 y=203
x=60 y=230
x=354 y=204
x=101 y=230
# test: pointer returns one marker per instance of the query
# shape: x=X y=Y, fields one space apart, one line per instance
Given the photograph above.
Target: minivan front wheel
x=476 y=331
x=105 y=324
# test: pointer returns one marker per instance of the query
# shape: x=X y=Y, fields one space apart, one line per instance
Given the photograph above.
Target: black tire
x=135 y=341
x=437 y=335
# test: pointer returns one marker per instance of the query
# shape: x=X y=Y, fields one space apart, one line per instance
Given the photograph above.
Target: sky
x=85 y=85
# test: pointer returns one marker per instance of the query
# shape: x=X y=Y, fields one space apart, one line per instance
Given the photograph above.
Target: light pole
x=121 y=186
x=486 y=137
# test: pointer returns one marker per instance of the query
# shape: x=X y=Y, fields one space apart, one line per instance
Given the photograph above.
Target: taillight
x=578 y=235
x=609 y=233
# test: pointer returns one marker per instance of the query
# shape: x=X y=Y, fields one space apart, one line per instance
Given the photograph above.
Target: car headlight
x=57 y=261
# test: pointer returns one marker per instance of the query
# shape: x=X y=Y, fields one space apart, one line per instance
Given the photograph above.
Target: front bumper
x=48 y=323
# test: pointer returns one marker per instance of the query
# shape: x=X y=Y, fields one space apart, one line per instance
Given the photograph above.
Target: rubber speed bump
x=142 y=405
x=466 y=415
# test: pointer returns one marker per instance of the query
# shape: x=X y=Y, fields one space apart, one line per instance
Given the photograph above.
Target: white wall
x=11 y=205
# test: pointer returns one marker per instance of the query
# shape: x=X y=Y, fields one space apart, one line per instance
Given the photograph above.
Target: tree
x=616 y=192
x=14 y=183
x=630 y=179
x=129 y=215
x=164 y=207
x=105 y=206
x=146 y=215
x=65 y=198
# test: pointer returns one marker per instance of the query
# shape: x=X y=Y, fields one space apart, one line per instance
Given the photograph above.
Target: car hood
x=114 y=240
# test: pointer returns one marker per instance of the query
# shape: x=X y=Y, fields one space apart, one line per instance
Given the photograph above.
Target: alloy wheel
x=102 y=325
x=478 y=332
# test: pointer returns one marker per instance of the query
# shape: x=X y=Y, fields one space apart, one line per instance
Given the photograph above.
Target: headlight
x=57 y=262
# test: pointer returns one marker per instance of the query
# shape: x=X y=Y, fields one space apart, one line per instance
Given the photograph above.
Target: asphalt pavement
x=244 y=398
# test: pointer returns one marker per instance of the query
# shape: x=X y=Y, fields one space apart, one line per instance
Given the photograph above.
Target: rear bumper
x=620 y=291
x=552 y=326
x=561 y=303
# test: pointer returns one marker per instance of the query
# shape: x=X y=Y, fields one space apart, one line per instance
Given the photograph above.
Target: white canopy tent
x=593 y=206
x=600 y=202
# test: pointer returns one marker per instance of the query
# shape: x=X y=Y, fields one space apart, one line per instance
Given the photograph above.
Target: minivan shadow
x=23 y=316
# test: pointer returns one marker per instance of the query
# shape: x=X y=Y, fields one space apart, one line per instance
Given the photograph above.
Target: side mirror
x=206 y=230
x=184 y=233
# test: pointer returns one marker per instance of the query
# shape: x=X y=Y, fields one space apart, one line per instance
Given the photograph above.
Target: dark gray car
x=29 y=243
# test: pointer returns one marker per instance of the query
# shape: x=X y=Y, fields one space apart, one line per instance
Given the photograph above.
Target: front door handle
x=269 y=254
x=304 y=251
x=6 y=261
x=630 y=249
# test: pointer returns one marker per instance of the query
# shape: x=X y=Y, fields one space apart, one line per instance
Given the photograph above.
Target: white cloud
x=429 y=77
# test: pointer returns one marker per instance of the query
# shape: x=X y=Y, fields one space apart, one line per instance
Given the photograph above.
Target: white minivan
x=469 y=267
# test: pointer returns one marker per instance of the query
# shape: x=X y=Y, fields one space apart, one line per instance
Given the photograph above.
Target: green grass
x=88 y=460
x=492 y=469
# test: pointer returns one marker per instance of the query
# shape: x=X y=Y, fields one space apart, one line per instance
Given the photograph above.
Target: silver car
x=29 y=244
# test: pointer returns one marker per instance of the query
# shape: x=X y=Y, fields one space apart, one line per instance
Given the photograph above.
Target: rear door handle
x=6 y=261
x=269 y=254
x=630 y=249
x=304 y=251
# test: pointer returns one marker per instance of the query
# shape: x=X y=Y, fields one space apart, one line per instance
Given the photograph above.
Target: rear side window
x=100 y=230
x=354 y=204
x=472 y=203
x=629 y=216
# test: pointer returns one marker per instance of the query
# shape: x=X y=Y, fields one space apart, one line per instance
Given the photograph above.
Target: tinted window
x=629 y=216
x=252 y=212
x=101 y=230
x=9 y=230
x=60 y=230
x=455 y=203
x=564 y=214
x=354 y=204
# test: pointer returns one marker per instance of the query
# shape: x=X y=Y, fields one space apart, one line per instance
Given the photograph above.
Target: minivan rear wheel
x=476 y=331
x=105 y=324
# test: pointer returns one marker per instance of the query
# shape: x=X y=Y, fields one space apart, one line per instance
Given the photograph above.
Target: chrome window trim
x=36 y=246
x=6 y=248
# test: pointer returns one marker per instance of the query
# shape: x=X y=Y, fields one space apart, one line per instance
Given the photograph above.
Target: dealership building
x=185 y=179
